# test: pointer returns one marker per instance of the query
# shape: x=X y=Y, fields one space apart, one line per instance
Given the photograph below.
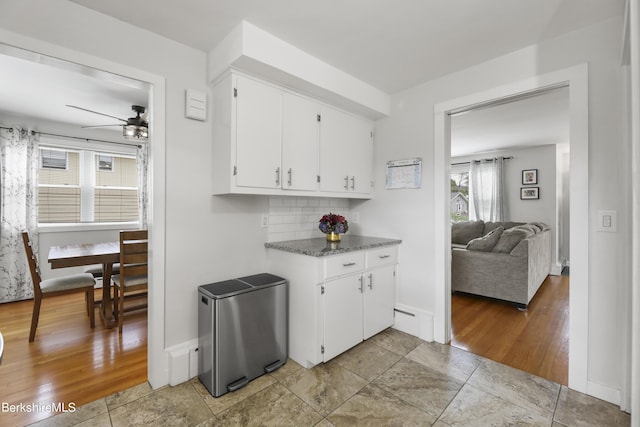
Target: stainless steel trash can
x=242 y=331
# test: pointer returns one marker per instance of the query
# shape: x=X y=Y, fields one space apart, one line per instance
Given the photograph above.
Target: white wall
x=542 y=158
x=564 y=208
x=409 y=214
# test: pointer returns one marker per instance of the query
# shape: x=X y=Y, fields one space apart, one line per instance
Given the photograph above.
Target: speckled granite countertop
x=321 y=247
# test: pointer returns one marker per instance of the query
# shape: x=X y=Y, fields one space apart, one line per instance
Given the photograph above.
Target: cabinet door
x=336 y=150
x=258 y=139
x=345 y=152
x=342 y=315
x=379 y=299
x=362 y=164
x=300 y=133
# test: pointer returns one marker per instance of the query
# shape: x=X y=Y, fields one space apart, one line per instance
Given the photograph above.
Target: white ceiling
x=536 y=120
x=392 y=46
x=36 y=89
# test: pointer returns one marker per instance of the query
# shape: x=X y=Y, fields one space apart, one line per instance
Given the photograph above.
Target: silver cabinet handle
x=278 y=176
x=353 y=182
x=346 y=182
x=290 y=174
x=361 y=287
x=349 y=264
x=371 y=281
x=384 y=256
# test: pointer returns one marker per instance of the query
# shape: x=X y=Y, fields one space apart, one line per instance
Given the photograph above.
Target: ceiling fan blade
x=96 y=112
x=98 y=126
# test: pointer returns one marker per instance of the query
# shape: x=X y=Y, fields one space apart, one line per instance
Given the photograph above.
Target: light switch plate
x=607 y=221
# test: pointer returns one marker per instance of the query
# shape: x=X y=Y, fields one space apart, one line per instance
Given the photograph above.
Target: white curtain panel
x=143 y=180
x=18 y=211
x=486 y=187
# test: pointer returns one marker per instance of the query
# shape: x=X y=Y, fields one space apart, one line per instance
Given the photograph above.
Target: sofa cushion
x=486 y=242
x=465 y=231
x=488 y=225
x=510 y=239
x=529 y=229
x=541 y=225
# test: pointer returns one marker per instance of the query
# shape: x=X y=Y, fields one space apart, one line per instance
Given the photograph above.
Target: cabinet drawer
x=343 y=264
x=382 y=256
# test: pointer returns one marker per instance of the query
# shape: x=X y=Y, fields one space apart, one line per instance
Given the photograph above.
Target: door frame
x=576 y=78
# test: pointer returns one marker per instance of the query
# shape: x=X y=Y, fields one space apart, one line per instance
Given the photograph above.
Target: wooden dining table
x=76 y=255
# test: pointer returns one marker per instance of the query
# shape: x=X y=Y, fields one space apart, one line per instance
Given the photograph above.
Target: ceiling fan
x=134 y=128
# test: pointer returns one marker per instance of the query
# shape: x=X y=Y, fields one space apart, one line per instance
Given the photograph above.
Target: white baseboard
x=556 y=270
x=183 y=362
x=603 y=392
x=414 y=321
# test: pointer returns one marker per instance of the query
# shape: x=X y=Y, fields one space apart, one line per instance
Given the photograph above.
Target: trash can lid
x=262 y=279
x=224 y=288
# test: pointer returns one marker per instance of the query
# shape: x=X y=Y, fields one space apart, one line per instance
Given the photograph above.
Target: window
x=53 y=159
x=105 y=163
x=460 y=195
x=92 y=187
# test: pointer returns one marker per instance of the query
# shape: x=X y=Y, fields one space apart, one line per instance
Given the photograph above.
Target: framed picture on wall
x=529 y=193
x=529 y=176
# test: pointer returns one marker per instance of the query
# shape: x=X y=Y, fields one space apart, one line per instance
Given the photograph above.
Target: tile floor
x=392 y=379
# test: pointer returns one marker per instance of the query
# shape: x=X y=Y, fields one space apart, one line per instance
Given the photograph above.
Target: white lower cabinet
x=337 y=301
x=355 y=308
x=379 y=299
x=342 y=314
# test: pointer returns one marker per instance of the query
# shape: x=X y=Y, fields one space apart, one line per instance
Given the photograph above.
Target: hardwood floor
x=68 y=362
x=534 y=341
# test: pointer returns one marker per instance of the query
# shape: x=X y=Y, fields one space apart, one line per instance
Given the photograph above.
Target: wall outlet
x=355 y=217
x=264 y=221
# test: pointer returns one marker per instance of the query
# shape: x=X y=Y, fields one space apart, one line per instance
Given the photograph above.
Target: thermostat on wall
x=196 y=105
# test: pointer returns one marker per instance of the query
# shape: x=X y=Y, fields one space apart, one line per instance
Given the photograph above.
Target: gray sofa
x=507 y=261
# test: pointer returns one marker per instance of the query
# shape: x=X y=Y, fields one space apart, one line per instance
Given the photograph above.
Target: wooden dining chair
x=133 y=271
x=82 y=282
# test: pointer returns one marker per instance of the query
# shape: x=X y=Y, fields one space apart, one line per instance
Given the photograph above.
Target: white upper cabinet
x=269 y=140
x=346 y=150
x=258 y=134
x=300 y=134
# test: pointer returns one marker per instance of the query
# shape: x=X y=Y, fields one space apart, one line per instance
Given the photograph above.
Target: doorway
x=530 y=133
x=576 y=79
x=156 y=366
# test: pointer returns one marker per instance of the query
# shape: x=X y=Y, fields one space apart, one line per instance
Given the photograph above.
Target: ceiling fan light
x=135 y=133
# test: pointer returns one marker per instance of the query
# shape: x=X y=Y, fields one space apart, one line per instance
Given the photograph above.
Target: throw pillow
x=463 y=232
x=488 y=226
x=486 y=242
x=509 y=240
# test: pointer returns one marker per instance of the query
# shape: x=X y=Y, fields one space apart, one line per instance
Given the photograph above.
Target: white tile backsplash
x=293 y=218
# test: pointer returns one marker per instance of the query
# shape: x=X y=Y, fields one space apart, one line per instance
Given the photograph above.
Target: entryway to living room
x=509 y=204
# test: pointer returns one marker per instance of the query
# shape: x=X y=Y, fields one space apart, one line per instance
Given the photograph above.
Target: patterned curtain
x=18 y=210
x=486 y=188
x=143 y=186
